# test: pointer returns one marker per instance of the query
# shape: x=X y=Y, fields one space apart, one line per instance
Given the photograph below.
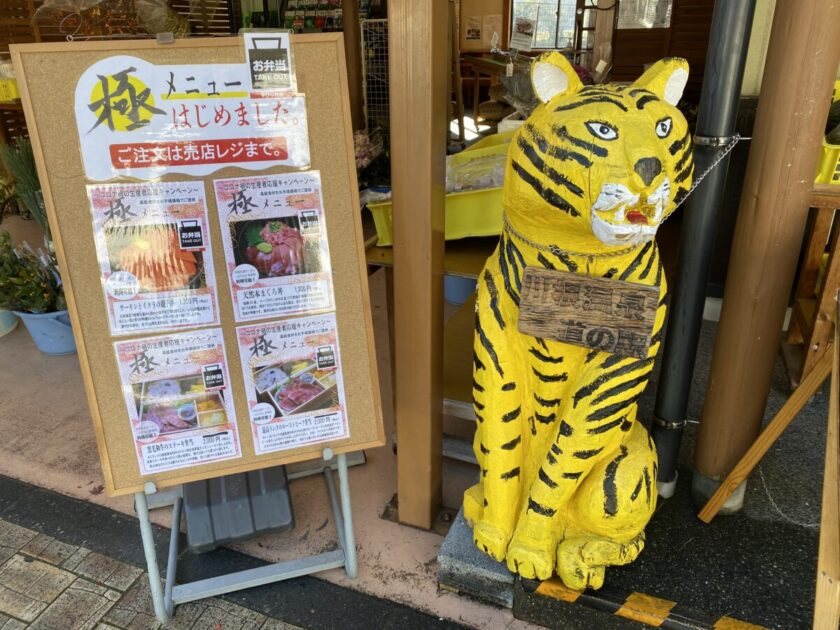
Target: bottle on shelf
x=309 y=17
x=289 y=16
x=320 y=15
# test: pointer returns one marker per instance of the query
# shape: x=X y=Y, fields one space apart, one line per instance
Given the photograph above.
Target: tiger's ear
x=666 y=78
x=553 y=75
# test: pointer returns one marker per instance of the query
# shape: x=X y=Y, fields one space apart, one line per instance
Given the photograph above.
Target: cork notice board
x=48 y=74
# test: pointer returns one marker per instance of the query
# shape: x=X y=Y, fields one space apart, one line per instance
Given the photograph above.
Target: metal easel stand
x=165 y=597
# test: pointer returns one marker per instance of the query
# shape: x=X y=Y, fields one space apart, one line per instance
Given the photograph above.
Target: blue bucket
x=51 y=332
x=457 y=290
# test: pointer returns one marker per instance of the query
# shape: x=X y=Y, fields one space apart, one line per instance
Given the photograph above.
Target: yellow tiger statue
x=568 y=475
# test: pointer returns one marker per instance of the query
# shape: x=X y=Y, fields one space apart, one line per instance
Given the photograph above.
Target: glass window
x=644 y=13
x=555 y=21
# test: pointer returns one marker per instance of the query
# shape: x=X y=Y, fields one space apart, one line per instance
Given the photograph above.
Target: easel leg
x=350 y=564
x=146 y=534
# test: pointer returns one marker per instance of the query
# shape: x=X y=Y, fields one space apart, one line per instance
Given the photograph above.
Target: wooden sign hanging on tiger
x=597 y=313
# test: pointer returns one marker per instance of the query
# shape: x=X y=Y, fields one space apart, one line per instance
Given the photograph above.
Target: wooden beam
x=771 y=222
x=801 y=395
x=419 y=92
x=827 y=600
x=353 y=54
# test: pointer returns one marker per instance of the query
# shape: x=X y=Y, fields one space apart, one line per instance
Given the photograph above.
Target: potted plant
x=31 y=287
x=23 y=193
x=8 y=321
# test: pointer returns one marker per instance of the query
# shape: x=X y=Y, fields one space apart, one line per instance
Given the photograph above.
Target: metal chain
x=557 y=250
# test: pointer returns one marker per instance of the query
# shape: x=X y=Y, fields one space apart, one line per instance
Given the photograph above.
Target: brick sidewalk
x=49 y=585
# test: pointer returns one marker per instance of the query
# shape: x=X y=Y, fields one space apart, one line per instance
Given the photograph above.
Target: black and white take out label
x=269 y=56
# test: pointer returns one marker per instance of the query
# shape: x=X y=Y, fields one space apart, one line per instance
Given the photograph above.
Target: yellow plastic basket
x=468 y=213
x=828 y=171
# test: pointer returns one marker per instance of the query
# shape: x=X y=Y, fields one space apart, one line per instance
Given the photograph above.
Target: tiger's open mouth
x=622 y=217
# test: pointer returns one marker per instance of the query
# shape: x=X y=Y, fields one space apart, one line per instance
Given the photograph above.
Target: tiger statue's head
x=599 y=167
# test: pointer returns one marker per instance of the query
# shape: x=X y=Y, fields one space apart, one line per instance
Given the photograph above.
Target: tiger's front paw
x=530 y=559
x=474 y=504
x=490 y=539
x=582 y=562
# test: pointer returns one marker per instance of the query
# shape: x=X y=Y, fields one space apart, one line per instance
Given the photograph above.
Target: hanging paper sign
x=293 y=381
x=178 y=397
x=138 y=119
x=275 y=240
x=155 y=257
x=269 y=56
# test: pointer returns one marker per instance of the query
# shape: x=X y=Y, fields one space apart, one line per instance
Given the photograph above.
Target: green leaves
x=28 y=281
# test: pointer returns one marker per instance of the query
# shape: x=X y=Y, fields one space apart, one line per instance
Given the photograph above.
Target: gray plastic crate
x=236 y=507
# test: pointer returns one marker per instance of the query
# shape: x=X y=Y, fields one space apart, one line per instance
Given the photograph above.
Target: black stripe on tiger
x=610 y=272
x=588 y=453
x=588 y=390
x=477 y=387
x=549 y=378
x=478 y=405
x=509 y=446
x=547 y=402
x=484 y=450
x=682 y=193
x=565 y=429
x=547 y=194
x=503 y=267
x=494 y=298
x=626 y=425
x=636 y=261
x=546 y=479
x=532 y=425
x=558 y=153
x=477 y=364
x=488 y=347
x=564 y=258
x=508 y=387
x=591 y=355
x=605 y=427
x=517 y=280
x=563 y=134
x=549 y=419
x=541 y=341
x=550 y=457
x=647 y=483
x=684 y=174
x=510 y=416
x=556 y=449
x=647 y=98
x=649 y=265
x=512 y=473
x=605 y=412
x=657 y=337
x=658 y=274
x=620 y=388
x=610 y=491
x=635 y=494
x=687 y=155
x=545 y=262
x=589 y=101
x=572 y=475
x=636 y=91
x=611 y=360
x=678 y=145
x=545 y=169
x=533 y=506
x=544 y=357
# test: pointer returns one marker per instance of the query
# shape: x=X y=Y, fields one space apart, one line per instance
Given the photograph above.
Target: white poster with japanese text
x=275 y=240
x=293 y=381
x=155 y=257
x=141 y=120
x=177 y=393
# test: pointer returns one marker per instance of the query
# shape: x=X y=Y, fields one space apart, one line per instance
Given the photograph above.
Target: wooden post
x=802 y=60
x=353 y=53
x=419 y=91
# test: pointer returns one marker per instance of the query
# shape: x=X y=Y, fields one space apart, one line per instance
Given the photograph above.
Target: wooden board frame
x=47 y=75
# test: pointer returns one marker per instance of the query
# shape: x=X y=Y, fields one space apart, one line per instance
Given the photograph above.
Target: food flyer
x=155 y=257
x=293 y=381
x=275 y=240
x=177 y=393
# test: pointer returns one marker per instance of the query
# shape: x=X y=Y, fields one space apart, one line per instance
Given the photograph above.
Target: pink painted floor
x=47 y=440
